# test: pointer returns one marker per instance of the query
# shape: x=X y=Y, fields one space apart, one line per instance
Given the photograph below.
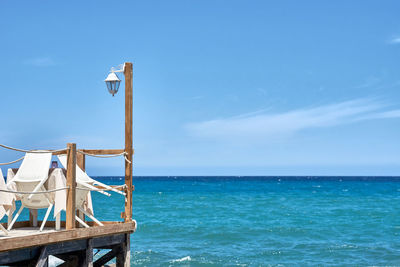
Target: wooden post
x=43 y=260
x=127 y=250
x=71 y=183
x=128 y=72
x=81 y=161
x=88 y=257
x=123 y=258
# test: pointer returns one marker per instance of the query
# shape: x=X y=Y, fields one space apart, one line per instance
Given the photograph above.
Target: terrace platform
x=26 y=246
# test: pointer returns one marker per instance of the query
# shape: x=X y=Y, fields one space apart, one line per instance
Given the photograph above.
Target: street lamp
x=113 y=82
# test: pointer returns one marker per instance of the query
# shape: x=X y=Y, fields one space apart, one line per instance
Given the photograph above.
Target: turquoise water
x=256 y=221
x=260 y=221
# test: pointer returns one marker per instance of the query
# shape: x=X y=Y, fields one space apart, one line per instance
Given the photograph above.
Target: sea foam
x=187 y=258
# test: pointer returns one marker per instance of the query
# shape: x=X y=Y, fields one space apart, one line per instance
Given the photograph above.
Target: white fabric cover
x=81 y=176
x=56 y=180
x=83 y=197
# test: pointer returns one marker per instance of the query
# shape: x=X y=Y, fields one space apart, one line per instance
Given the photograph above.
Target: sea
x=260 y=221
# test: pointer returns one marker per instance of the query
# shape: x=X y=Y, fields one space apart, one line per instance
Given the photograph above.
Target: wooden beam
x=105 y=242
x=117 y=187
x=128 y=250
x=30 y=263
x=106 y=257
x=65 y=235
x=81 y=161
x=61 y=152
x=71 y=183
x=74 y=252
x=52 y=224
x=124 y=254
x=128 y=72
x=102 y=151
x=93 y=151
x=67 y=247
x=21 y=255
x=88 y=259
x=43 y=260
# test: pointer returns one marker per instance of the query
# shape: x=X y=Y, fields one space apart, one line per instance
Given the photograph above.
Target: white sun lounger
x=85 y=184
x=82 y=177
x=30 y=177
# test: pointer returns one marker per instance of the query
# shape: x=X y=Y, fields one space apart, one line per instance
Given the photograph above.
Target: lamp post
x=113 y=82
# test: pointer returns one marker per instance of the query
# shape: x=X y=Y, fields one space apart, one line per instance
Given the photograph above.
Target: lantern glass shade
x=113 y=86
x=112 y=83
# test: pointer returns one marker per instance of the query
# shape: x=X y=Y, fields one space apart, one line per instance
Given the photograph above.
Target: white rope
x=32 y=151
x=130 y=162
x=11 y=162
x=105 y=189
x=37 y=192
x=106 y=156
x=57 y=189
x=101 y=156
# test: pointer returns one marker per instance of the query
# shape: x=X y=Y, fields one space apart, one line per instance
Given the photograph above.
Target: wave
x=187 y=258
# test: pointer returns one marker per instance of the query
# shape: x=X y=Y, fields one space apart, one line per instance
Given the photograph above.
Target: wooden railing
x=75 y=158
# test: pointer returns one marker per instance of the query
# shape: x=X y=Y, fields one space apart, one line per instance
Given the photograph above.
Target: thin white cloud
x=261 y=125
x=395 y=40
x=384 y=115
x=40 y=62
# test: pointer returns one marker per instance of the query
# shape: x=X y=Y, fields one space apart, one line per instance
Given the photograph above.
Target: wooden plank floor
x=26 y=232
x=24 y=237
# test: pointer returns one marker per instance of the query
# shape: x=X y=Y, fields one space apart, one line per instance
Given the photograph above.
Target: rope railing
x=32 y=151
x=57 y=189
x=106 y=156
x=11 y=162
x=37 y=192
x=105 y=189
x=62 y=150
x=130 y=162
x=101 y=156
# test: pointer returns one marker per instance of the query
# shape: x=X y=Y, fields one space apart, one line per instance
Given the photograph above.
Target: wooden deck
x=26 y=246
x=24 y=232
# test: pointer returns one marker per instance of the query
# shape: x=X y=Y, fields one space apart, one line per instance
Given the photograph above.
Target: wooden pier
x=26 y=246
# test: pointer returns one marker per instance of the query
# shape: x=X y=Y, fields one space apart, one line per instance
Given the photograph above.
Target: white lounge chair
x=30 y=177
x=85 y=184
x=82 y=177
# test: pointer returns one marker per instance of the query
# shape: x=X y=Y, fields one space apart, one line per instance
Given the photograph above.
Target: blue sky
x=220 y=87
